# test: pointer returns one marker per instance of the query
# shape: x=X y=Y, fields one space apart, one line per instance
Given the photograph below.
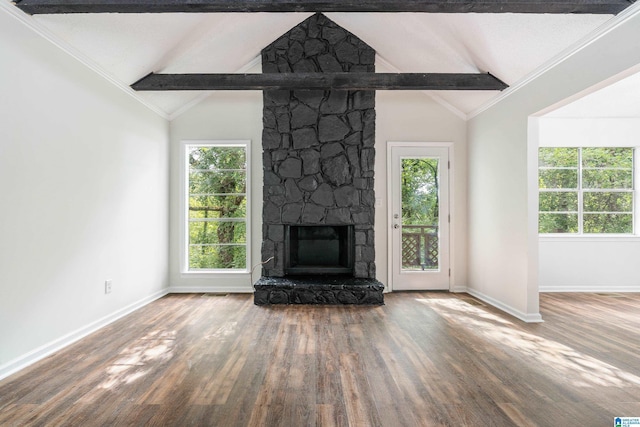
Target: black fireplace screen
x=319 y=249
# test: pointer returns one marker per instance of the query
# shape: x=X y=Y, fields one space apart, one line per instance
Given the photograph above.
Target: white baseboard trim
x=41 y=352
x=211 y=289
x=592 y=289
x=458 y=289
x=525 y=317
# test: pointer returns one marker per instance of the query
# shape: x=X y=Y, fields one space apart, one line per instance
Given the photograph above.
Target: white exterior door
x=419 y=216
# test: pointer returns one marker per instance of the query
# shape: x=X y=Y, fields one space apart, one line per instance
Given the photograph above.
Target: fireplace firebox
x=319 y=249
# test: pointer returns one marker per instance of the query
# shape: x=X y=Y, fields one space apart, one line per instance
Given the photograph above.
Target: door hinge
x=449 y=272
x=448 y=164
x=449 y=218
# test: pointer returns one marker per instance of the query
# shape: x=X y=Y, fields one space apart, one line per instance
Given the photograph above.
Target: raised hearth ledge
x=327 y=290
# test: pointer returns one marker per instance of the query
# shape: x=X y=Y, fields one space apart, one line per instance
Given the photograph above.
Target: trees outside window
x=586 y=190
x=420 y=194
x=216 y=207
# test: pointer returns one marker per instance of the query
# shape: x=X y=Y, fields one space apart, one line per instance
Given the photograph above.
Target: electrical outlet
x=107 y=286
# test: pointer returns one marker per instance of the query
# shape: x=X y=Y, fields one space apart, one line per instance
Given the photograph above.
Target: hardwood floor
x=423 y=359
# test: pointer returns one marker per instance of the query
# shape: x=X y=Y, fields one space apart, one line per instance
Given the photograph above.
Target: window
x=216 y=206
x=586 y=190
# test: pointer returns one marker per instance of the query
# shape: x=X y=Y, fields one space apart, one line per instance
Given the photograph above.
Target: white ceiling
x=127 y=47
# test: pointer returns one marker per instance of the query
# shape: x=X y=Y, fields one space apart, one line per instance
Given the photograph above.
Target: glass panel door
x=419 y=198
x=420 y=213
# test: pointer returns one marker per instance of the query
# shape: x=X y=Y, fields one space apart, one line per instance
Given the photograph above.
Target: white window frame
x=184 y=206
x=580 y=190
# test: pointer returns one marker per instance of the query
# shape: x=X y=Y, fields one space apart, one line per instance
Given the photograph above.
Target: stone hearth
x=318 y=290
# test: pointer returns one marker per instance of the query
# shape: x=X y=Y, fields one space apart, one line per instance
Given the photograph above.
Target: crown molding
x=44 y=32
x=591 y=38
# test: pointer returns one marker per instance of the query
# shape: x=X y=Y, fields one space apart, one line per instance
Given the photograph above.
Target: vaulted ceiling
x=127 y=46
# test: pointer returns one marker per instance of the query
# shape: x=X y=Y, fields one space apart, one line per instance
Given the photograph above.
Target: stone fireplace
x=318 y=160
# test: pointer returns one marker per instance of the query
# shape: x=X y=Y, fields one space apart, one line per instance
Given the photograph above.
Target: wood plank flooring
x=423 y=359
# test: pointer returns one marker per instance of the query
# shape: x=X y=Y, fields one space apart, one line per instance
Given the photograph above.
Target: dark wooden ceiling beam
x=430 y=6
x=319 y=81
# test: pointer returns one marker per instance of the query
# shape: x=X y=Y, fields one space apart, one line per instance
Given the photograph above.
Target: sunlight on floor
x=136 y=361
x=563 y=361
x=228 y=329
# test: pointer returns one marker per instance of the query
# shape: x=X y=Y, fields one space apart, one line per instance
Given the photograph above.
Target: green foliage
x=600 y=169
x=203 y=257
x=420 y=195
x=420 y=213
x=217 y=207
x=558 y=157
x=608 y=223
x=558 y=223
x=559 y=201
x=607 y=157
x=607 y=202
x=558 y=178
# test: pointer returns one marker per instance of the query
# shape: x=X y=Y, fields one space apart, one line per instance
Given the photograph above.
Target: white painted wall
x=400 y=116
x=503 y=240
x=406 y=116
x=83 y=198
x=589 y=264
x=589 y=132
x=222 y=116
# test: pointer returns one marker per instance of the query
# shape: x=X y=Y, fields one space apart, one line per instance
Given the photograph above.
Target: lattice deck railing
x=420 y=246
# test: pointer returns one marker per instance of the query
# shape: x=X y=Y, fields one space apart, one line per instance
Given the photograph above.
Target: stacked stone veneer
x=318 y=145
